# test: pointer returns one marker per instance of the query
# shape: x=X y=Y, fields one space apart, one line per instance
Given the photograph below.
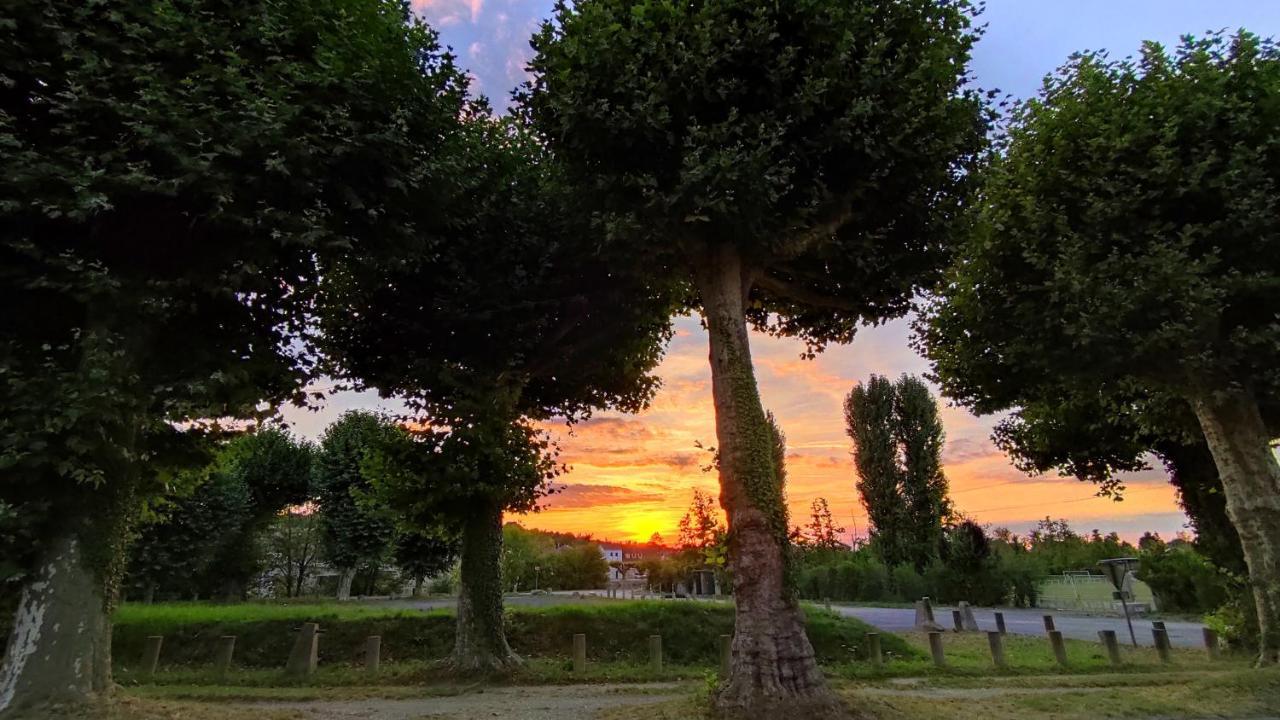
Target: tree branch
x=830 y=219
x=797 y=293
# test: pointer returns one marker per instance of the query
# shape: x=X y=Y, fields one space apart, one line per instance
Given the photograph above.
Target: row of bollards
x=302 y=661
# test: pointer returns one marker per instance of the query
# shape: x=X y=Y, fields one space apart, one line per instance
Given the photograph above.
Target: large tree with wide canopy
x=801 y=165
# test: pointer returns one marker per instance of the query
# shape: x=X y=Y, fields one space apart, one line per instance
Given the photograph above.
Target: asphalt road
x=1018 y=621
x=1031 y=622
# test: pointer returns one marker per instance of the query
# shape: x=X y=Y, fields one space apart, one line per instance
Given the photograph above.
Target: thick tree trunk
x=774 y=673
x=1250 y=476
x=481 y=641
x=345 y=580
x=59 y=651
x=417 y=585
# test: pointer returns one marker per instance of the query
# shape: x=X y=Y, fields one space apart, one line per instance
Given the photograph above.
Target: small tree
x=292 y=546
x=359 y=528
x=421 y=555
x=897 y=449
x=822 y=533
x=1127 y=237
x=700 y=527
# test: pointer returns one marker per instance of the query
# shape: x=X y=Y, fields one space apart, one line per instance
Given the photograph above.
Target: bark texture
x=345 y=580
x=1250 y=475
x=59 y=652
x=480 y=646
x=773 y=670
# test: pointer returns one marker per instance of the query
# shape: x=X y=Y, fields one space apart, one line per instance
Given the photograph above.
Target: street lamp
x=537 y=569
x=1119 y=570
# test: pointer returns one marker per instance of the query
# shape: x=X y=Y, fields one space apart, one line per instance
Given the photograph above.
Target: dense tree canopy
x=171 y=171
x=1128 y=240
x=802 y=166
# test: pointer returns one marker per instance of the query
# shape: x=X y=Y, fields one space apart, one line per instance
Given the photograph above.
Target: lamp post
x=537 y=570
x=1117 y=570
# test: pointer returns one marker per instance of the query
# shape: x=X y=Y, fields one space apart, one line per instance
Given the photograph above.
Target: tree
x=1127 y=238
x=359 y=528
x=822 y=533
x=292 y=546
x=171 y=173
x=897 y=449
x=800 y=165
x=422 y=554
x=700 y=527
x=506 y=313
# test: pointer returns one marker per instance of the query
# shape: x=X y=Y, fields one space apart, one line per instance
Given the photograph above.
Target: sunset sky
x=634 y=475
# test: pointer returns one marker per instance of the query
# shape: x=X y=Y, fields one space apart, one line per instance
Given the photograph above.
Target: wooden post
x=579 y=653
x=873 y=650
x=372 y=654
x=726 y=656
x=1048 y=623
x=1059 y=647
x=1161 y=638
x=1000 y=623
x=996 y=641
x=935 y=647
x=655 y=652
x=1157 y=625
x=222 y=658
x=1108 y=638
x=957 y=620
x=306 y=652
x=151 y=655
x=1211 y=643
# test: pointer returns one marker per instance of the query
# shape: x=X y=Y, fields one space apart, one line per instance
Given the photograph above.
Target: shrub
x=1183 y=580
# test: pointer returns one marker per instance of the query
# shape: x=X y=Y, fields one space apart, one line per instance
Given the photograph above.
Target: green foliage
x=897 y=438
x=1182 y=579
x=291 y=547
x=358 y=525
x=617 y=631
x=421 y=555
x=700 y=527
x=172 y=173
x=761 y=125
x=533 y=559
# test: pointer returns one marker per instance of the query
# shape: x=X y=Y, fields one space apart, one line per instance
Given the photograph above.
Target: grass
x=617 y=633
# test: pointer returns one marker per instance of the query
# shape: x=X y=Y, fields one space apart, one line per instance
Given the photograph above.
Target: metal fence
x=1090 y=593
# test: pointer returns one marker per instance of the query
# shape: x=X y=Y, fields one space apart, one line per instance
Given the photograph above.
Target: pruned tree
x=358 y=527
x=801 y=166
x=170 y=174
x=897 y=449
x=1127 y=237
x=506 y=313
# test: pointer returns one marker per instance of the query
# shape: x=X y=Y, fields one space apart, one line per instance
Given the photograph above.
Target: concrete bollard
x=306 y=652
x=372 y=654
x=996 y=641
x=935 y=647
x=579 y=653
x=957 y=620
x=1161 y=638
x=1000 y=624
x=873 y=650
x=655 y=652
x=151 y=655
x=967 y=620
x=1059 y=647
x=1048 y=624
x=1108 y=638
x=1158 y=625
x=726 y=656
x=222 y=658
x=1211 y=643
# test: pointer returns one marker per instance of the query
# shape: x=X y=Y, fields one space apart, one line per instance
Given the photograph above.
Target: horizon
x=635 y=475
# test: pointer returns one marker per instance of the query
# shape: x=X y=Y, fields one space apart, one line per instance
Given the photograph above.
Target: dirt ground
x=549 y=702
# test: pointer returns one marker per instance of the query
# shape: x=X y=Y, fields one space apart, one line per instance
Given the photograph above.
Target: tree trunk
x=59 y=650
x=149 y=594
x=481 y=641
x=773 y=671
x=1250 y=475
x=345 y=580
x=417 y=586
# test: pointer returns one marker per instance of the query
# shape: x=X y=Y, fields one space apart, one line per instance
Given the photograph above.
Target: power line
x=1039 y=504
x=988 y=487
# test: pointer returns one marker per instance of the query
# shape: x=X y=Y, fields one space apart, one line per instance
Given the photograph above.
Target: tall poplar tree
x=897 y=449
x=171 y=170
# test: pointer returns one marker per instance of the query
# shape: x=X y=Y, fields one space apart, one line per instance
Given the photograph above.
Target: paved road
x=1031 y=622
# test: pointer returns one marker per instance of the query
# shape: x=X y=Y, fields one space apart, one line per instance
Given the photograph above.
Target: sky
x=631 y=476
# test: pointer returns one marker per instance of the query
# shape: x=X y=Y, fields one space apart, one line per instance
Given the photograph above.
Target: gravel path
x=550 y=702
